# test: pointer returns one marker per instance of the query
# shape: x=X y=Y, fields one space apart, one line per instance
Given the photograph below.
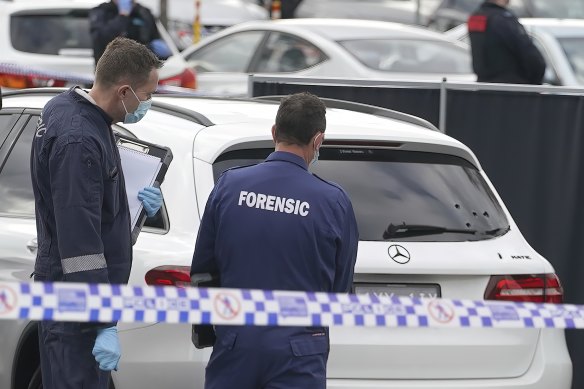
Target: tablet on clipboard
x=144 y=164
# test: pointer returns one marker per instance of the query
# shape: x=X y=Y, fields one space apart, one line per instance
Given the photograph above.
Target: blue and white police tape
x=147 y=304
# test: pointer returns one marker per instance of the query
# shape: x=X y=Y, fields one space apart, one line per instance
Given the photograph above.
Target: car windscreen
x=403 y=195
x=574 y=49
x=410 y=55
x=564 y=9
x=64 y=33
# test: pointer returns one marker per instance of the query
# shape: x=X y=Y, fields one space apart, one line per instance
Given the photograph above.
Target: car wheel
x=36 y=381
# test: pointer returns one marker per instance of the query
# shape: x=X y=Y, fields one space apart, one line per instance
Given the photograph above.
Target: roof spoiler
x=364 y=108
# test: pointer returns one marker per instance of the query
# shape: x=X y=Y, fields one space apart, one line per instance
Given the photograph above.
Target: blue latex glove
x=151 y=199
x=160 y=48
x=107 y=348
x=125 y=6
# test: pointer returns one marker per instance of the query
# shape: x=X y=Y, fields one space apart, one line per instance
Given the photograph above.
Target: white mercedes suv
x=416 y=192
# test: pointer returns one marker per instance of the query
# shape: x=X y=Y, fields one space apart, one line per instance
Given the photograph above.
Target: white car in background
x=560 y=41
x=411 y=186
x=53 y=36
x=341 y=48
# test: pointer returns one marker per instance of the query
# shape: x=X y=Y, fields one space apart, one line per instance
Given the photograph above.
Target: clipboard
x=144 y=164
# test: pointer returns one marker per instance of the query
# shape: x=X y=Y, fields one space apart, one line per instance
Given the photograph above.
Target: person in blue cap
x=277 y=226
x=128 y=19
x=82 y=213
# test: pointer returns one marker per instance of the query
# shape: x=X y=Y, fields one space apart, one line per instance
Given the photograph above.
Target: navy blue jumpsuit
x=501 y=49
x=83 y=226
x=275 y=226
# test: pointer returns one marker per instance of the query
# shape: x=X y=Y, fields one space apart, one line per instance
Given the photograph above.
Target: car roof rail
x=184 y=113
x=33 y=91
x=365 y=108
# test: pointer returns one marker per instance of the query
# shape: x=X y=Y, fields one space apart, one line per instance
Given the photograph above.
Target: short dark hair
x=125 y=59
x=299 y=118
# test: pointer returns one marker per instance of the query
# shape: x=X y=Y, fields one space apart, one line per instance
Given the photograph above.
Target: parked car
x=398 y=11
x=411 y=186
x=54 y=36
x=326 y=48
x=451 y=13
x=560 y=41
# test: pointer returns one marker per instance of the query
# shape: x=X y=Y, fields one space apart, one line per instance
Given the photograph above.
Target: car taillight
x=19 y=81
x=533 y=288
x=169 y=276
x=186 y=79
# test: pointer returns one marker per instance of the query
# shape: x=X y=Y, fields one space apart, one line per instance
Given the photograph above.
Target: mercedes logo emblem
x=398 y=253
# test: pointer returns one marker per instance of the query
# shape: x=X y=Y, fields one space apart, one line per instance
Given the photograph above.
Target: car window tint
x=65 y=34
x=550 y=76
x=6 y=124
x=15 y=184
x=410 y=56
x=287 y=53
x=395 y=187
x=232 y=53
x=575 y=55
x=564 y=9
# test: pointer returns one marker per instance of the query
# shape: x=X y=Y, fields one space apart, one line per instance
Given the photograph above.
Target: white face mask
x=316 y=150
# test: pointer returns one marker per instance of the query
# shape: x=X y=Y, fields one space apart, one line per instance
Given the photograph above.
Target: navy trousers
x=268 y=358
x=66 y=359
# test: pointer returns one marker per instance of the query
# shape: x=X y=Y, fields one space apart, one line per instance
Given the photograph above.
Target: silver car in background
x=342 y=48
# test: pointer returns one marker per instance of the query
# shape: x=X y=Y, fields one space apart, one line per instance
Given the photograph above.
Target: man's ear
x=122 y=91
x=274 y=133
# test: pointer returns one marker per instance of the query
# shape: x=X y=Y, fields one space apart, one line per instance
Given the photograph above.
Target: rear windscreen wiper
x=498 y=231
x=406 y=230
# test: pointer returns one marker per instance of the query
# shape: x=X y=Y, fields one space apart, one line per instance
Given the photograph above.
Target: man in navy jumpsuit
x=276 y=226
x=82 y=214
x=502 y=52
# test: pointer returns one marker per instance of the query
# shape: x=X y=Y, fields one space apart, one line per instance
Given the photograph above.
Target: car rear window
x=395 y=188
x=410 y=55
x=65 y=33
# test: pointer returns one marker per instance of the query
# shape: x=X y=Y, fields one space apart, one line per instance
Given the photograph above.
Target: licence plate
x=399 y=290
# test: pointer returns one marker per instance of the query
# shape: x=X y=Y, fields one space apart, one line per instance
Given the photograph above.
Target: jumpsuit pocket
x=111 y=198
x=306 y=345
x=228 y=341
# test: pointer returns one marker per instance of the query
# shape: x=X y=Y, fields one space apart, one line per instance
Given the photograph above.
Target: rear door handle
x=32 y=246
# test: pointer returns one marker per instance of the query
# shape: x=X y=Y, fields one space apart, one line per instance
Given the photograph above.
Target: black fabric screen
x=423 y=103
